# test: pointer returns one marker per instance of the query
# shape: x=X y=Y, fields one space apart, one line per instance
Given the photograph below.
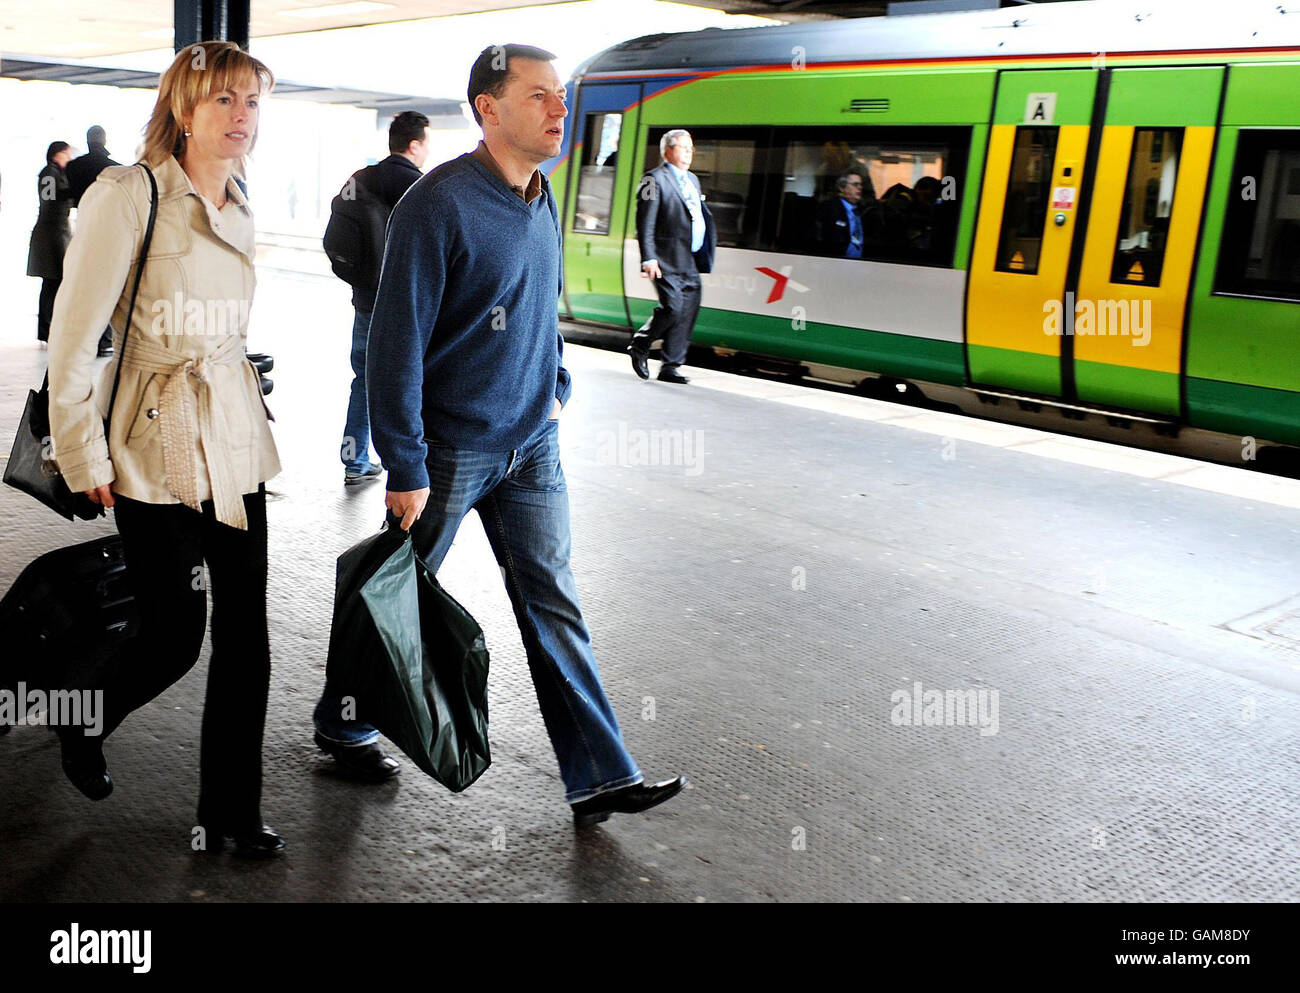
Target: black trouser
x=45 y=311
x=674 y=319
x=45 y=315
x=165 y=547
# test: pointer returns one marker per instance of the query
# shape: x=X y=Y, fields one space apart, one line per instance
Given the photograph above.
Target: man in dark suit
x=82 y=171
x=387 y=180
x=676 y=236
x=839 y=225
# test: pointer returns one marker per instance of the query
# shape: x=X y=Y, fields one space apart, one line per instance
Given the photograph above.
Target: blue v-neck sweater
x=465 y=347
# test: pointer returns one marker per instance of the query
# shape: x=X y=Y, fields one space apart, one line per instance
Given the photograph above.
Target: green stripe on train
x=1262 y=96
x=828 y=344
x=1014 y=370
x=1173 y=97
x=1125 y=386
x=912 y=97
x=1234 y=408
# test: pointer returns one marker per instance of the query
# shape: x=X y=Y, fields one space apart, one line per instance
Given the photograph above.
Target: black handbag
x=30 y=467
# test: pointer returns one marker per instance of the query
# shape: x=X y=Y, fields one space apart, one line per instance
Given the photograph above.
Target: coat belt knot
x=186 y=412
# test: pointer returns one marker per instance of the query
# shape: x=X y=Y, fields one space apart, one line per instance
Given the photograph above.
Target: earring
x=187 y=133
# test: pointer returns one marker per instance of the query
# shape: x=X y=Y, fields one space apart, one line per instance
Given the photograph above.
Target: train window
x=1260 y=251
x=1024 y=213
x=596 y=173
x=725 y=164
x=902 y=193
x=1148 y=202
x=775 y=189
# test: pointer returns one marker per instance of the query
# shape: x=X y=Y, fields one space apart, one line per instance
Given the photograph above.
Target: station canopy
x=86 y=29
x=61 y=40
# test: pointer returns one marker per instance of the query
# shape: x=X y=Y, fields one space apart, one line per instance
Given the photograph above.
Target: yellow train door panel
x=1140 y=242
x=1032 y=178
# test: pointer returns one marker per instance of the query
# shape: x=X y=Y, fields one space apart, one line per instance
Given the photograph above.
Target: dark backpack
x=354 y=236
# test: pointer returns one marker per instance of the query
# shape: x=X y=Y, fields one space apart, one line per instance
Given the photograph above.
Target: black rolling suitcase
x=68 y=611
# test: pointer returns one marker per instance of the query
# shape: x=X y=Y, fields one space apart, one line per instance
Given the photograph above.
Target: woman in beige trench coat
x=189 y=447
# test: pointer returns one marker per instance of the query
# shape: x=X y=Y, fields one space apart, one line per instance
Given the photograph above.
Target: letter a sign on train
x=1040 y=108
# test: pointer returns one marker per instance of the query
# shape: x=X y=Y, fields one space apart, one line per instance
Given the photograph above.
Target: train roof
x=1088 y=26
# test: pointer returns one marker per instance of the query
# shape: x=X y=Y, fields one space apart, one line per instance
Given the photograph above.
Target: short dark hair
x=408 y=126
x=846 y=177
x=95 y=135
x=55 y=148
x=491 y=70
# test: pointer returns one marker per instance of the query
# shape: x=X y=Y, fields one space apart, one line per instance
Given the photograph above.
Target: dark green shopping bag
x=412 y=657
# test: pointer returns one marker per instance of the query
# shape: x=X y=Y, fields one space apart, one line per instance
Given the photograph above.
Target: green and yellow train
x=1113 y=222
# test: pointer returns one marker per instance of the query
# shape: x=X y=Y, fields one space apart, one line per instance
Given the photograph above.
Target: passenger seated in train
x=839 y=223
x=910 y=224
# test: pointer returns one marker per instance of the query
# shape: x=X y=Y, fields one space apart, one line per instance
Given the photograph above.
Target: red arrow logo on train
x=780 y=280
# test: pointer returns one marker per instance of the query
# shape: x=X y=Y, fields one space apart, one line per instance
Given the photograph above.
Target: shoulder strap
x=135 y=287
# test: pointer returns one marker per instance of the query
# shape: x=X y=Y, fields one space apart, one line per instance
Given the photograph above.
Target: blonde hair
x=197 y=72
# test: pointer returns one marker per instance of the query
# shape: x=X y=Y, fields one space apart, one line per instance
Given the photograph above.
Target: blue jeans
x=355 y=450
x=524 y=505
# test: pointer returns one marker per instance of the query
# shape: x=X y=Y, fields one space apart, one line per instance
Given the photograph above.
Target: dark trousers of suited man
x=676 y=238
x=674 y=319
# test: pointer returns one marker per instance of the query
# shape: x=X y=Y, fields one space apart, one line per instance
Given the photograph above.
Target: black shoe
x=371 y=471
x=86 y=769
x=263 y=843
x=640 y=360
x=365 y=762
x=262 y=363
x=628 y=800
x=669 y=374
x=267 y=385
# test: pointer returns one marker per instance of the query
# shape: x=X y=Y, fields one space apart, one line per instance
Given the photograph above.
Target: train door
x=1148 y=192
x=1033 y=175
x=604 y=126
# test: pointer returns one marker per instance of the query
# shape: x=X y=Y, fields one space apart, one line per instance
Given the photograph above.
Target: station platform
x=768 y=573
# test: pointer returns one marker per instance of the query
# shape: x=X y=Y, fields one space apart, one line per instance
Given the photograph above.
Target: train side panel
x=754 y=135
x=1223 y=352
x=1243 y=342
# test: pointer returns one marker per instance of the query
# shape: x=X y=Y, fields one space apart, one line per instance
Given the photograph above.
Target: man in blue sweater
x=466 y=387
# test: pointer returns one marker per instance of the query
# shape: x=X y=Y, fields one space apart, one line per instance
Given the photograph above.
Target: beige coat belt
x=180 y=423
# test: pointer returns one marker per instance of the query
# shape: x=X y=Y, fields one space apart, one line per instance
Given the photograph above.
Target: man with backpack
x=354 y=242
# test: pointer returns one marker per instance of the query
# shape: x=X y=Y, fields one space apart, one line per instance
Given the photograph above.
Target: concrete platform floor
x=757 y=604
